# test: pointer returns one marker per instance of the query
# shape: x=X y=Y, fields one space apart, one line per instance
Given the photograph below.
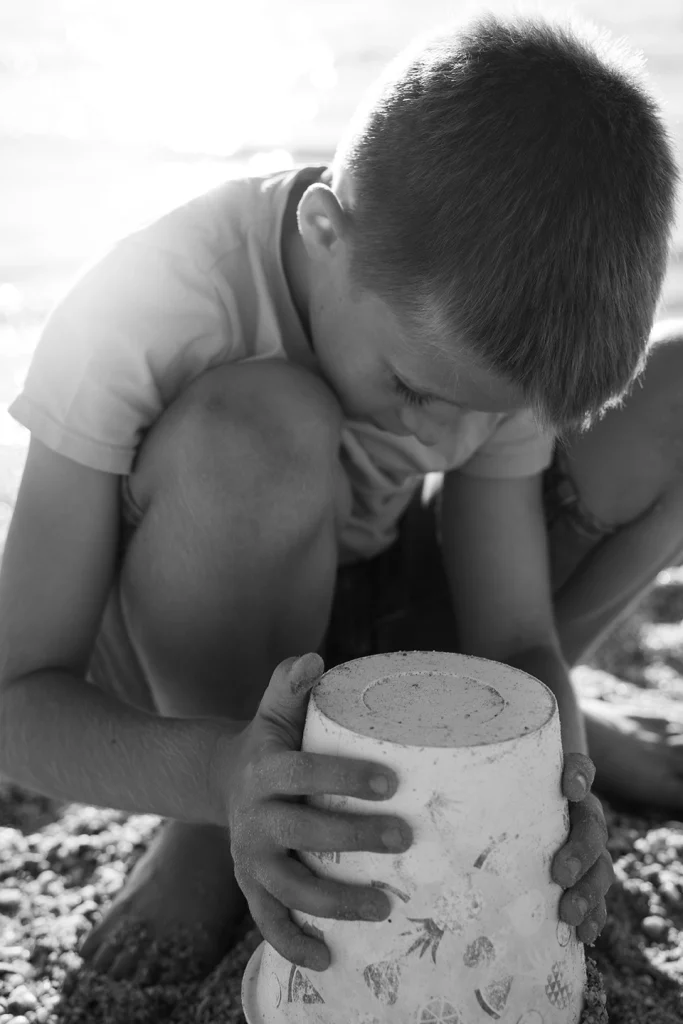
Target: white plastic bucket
x=474 y=935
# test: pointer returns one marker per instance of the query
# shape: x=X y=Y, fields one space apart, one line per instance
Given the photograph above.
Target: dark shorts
x=398 y=600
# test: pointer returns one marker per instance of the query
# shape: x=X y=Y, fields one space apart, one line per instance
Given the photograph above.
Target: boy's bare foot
x=181 y=893
x=638 y=757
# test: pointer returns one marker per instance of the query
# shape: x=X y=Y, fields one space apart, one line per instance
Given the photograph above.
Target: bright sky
x=206 y=76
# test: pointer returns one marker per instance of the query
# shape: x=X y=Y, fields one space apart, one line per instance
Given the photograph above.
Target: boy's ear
x=321 y=219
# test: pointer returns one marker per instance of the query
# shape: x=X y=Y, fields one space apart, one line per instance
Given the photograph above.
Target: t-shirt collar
x=294 y=337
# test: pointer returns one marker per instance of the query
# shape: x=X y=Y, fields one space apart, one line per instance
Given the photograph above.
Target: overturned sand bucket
x=474 y=935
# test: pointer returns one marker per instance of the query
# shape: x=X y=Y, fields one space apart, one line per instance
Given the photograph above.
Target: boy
x=230 y=416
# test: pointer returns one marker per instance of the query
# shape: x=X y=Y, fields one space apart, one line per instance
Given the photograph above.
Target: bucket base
x=249 y=979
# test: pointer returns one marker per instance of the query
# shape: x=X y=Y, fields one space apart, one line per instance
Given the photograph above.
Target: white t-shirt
x=201 y=286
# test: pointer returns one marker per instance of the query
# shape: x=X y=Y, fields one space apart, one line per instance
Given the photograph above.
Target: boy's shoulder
x=210 y=225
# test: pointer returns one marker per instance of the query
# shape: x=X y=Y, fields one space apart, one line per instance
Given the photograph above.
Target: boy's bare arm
x=58 y=734
x=617 y=573
x=495 y=556
x=495 y=553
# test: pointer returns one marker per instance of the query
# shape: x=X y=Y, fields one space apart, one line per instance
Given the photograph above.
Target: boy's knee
x=285 y=404
x=256 y=429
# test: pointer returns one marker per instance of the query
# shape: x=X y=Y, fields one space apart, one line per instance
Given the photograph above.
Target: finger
x=285 y=699
x=578 y=776
x=277 y=927
x=589 y=893
x=296 y=887
x=298 y=773
x=300 y=827
x=592 y=925
x=587 y=838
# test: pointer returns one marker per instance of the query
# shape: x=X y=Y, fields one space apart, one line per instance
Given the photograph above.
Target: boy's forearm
x=63 y=737
x=547 y=665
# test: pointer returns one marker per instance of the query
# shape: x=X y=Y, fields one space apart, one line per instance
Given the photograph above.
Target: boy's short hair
x=515 y=174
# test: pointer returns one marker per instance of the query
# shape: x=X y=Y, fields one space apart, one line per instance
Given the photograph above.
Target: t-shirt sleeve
x=135 y=329
x=517 y=447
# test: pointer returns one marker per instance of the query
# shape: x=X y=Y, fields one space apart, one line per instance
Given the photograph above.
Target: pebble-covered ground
x=59 y=866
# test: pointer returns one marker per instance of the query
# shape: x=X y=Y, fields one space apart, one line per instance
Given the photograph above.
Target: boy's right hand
x=269 y=821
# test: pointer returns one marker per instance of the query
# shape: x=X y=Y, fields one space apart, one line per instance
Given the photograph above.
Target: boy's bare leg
x=628 y=470
x=231 y=570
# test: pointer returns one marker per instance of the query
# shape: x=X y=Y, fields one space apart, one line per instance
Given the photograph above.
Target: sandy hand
x=268 y=823
x=583 y=866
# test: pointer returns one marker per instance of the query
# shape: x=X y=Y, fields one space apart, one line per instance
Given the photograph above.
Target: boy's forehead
x=450 y=373
x=438 y=367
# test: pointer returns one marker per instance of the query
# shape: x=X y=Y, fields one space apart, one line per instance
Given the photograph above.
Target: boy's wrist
x=547 y=664
x=223 y=740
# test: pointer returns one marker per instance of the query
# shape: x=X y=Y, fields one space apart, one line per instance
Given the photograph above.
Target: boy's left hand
x=593 y=873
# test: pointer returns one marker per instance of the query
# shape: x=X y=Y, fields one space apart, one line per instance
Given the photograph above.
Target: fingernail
x=574 y=868
x=582 y=782
x=320 y=960
x=380 y=785
x=582 y=906
x=371 y=912
x=299 y=663
x=310 y=672
x=591 y=932
x=393 y=839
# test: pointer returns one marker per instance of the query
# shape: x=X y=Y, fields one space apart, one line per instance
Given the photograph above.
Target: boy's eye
x=410 y=396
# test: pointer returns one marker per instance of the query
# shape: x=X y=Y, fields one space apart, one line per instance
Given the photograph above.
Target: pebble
x=13 y=953
x=15 y=967
x=670 y=891
x=10 y=901
x=12 y=838
x=12 y=981
x=34 y=864
x=21 y=1000
x=638 y=886
x=86 y=908
x=656 y=928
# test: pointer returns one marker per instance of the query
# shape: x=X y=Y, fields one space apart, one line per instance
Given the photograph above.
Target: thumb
x=286 y=697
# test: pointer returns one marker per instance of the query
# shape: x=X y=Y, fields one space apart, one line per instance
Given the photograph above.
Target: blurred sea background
x=114 y=111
